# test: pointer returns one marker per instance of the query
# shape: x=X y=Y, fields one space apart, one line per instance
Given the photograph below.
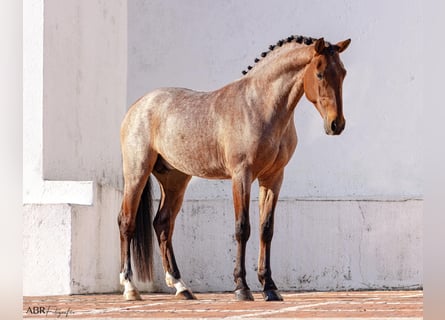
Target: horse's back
x=154 y=107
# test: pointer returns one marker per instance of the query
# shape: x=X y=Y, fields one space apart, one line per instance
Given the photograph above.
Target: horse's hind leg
x=127 y=226
x=269 y=190
x=134 y=219
x=173 y=184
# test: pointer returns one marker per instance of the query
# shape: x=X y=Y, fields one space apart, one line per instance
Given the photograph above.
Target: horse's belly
x=201 y=171
x=202 y=163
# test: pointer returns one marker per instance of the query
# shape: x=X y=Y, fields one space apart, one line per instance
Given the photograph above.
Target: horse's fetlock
x=264 y=274
x=239 y=273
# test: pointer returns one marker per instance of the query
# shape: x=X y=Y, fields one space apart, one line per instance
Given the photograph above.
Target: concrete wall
x=84 y=89
x=204 y=45
x=74 y=87
x=350 y=211
x=72 y=248
x=319 y=244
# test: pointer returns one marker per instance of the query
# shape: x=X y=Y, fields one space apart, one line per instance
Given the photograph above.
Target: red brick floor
x=321 y=305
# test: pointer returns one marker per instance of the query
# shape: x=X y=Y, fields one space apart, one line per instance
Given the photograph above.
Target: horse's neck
x=278 y=85
x=284 y=91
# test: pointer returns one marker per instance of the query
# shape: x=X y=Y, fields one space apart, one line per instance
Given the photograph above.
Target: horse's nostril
x=334 y=125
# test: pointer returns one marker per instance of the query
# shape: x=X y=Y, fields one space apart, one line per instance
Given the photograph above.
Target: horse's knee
x=266 y=232
x=242 y=230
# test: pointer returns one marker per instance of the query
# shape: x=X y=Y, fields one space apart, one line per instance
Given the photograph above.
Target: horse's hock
x=367 y=239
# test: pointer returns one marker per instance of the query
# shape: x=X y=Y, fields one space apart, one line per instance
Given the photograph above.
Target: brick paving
x=314 y=305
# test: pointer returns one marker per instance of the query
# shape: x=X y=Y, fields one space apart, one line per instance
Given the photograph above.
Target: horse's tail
x=142 y=243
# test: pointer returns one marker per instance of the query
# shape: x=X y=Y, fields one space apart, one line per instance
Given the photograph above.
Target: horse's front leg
x=241 y=198
x=269 y=190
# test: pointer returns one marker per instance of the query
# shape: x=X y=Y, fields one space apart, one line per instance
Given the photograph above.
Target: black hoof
x=185 y=295
x=243 y=295
x=272 y=295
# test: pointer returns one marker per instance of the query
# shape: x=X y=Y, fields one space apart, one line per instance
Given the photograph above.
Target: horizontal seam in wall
x=314 y=200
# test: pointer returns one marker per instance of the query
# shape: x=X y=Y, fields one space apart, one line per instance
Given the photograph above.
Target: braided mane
x=299 y=39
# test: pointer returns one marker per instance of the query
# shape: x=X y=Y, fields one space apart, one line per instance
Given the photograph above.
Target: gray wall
x=203 y=45
x=85 y=63
x=371 y=238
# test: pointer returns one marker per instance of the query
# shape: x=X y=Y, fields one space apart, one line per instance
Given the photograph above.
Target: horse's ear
x=342 y=45
x=319 y=46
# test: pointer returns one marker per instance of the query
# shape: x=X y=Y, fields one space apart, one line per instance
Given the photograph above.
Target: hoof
x=185 y=295
x=272 y=295
x=243 y=295
x=132 y=295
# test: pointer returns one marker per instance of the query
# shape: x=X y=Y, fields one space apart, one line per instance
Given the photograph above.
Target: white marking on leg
x=130 y=290
x=172 y=282
x=128 y=285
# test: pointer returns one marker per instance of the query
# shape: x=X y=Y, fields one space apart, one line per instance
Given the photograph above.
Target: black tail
x=142 y=243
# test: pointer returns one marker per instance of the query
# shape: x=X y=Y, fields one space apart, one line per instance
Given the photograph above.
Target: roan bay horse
x=243 y=131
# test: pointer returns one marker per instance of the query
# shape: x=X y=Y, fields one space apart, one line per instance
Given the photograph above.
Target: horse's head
x=323 y=82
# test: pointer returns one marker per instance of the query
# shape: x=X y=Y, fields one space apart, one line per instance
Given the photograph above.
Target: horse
x=243 y=131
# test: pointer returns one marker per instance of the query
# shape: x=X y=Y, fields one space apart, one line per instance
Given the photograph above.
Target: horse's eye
x=319 y=75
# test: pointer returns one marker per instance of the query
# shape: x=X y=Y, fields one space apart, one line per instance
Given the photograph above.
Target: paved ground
x=321 y=305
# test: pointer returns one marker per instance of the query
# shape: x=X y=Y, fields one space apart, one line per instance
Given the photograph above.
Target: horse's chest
x=269 y=153
x=275 y=153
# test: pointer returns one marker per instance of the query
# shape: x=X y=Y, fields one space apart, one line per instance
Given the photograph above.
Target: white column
x=71 y=241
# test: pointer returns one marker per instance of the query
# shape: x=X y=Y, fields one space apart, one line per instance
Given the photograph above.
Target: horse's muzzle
x=335 y=127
